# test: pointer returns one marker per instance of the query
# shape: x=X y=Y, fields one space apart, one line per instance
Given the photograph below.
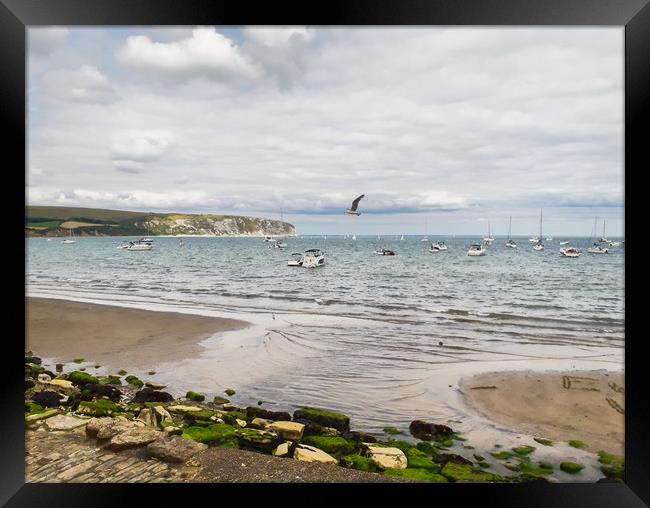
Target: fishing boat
x=69 y=240
x=510 y=243
x=384 y=252
x=570 y=252
x=313 y=258
x=296 y=259
x=539 y=245
x=476 y=250
x=488 y=239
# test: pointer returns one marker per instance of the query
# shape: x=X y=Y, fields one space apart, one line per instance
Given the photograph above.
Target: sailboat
x=425 y=238
x=539 y=245
x=401 y=238
x=510 y=243
x=596 y=249
x=488 y=239
x=71 y=239
x=604 y=238
x=354 y=237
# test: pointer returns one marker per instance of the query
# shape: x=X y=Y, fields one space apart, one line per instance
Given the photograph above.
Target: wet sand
x=587 y=406
x=116 y=337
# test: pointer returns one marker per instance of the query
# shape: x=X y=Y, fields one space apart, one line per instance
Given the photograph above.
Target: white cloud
x=42 y=41
x=205 y=53
x=85 y=84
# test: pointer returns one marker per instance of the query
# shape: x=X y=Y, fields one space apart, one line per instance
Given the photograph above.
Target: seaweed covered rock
x=174 y=449
x=132 y=380
x=359 y=462
x=613 y=466
x=571 y=467
x=458 y=472
x=217 y=434
x=258 y=440
x=359 y=437
x=424 y=475
x=218 y=400
x=427 y=431
x=323 y=417
x=33 y=359
x=47 y=398
x=444 y=458
x=258 y=412
x=81 y=378
x=101 y=407
x=108 y=391
x=195 y=396
x=332 y=445
x=151 y=395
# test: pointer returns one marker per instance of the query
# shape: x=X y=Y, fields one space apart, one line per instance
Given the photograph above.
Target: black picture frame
x=634 y=15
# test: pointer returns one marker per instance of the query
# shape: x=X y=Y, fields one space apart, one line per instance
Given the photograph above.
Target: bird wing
x=355 y=203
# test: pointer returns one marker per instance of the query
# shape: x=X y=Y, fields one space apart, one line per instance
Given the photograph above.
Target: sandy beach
x=116 y=337
x=585 y=406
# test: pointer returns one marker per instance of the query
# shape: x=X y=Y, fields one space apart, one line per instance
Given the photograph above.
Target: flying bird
x=353 y=209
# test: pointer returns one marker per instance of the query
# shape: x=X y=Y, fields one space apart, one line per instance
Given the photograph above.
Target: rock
x=291 y=431
x=147 y=416
x=356 y=436
x=571 y=467
x=283 y=449
x=101 y=407
x=260 y=440
x=65 y=422
x=155 y=386
x=231 y=407
x=241 y=423
x=220 y=400
x=445 y=458
x=41 y=416
x=325 y=418
x=59 y=367
x=258 y=412
x=308 y=453
x=81 y=378
x=63 y=383
x=172 y=430
x=311 y=428
x=94 y=425
x=110 y=392
x=230 y=392
x=461 y=473
x=387 y=458
x=132 y=380
x=544 y=441
x=174 y=449
x=183 y=409
x=150 y=395
x=47 y=398
x=44 y=378
x=33 y=359
x=163 y=415
x=426 y=431
x=133 y=438
x=195 y=396
x=29 y=383
x=259 y=423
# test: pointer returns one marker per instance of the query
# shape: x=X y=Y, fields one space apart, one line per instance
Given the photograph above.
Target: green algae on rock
x=613 y=466
x=339 y=421
x=418 y=462
x=571 y=467
x=465 y=472
x=195 y=396
x=132 y=380
x=331 y=445
x=392 y=431
x=417 y=474
x=230 y=392
x=501 y=455
x=101 y=407
x=220 y=400
x=360 y=463
x=217 y=434
x=81 y=378
x=523 y=450
x=577 y=443
x=543 y=441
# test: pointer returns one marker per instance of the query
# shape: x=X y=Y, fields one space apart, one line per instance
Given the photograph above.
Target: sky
x=442 y=128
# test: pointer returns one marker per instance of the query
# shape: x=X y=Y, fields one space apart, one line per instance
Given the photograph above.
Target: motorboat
x=401 y=238
x=354 y=237
x=139 y=245
x=597 y=249
x=538 y=246
x=476 y=250
x=279 y=244
x=296 y=259
x=549 y=238
x=570 y=252
x=123 y=245
x=269 y=239
x=385 y=252
x=438 y=247
x=313 y=258
x=613 y=244
x=534 y=239
x=565 y=242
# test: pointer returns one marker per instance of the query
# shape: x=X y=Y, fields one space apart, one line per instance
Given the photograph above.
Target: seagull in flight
x=353 y=209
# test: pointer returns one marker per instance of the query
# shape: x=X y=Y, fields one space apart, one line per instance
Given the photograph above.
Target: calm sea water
x=378 y=337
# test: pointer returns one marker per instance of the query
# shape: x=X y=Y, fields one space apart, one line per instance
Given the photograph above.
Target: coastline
x=587 y=406
x=117 y=337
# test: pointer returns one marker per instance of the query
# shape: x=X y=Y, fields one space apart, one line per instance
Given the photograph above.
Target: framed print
x=370 y=248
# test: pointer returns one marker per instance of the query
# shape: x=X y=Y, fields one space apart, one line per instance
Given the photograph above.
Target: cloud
x=140 y=146
x=206 y=53
x=42 y=41
x=85 y=84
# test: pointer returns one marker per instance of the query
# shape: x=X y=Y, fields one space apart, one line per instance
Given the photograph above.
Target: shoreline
x=586 y=406
x=117 y=337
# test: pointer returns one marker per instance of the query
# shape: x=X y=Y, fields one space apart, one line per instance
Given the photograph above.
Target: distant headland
x=47 y=221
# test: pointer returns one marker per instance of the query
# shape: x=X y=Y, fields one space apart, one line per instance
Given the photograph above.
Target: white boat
x=549 y=238
x=354 y=237
x=313 y=258
x=565 y=242
x=279 y=244
x=570 y=252
x=384 y=252
x=296 y=259
x=438 y=247
x=539 y=245
x=614 y=244
x=488 y=239
x=534 y=239
x=139 y=245
x=401 y=238
x=123 y=245
x=510 y=243
x=597 y=249
x=476 y=250
x=604 y=238
x=69 y=240
x=269 y=239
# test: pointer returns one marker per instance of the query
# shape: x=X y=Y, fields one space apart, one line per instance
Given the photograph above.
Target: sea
x=384 y=339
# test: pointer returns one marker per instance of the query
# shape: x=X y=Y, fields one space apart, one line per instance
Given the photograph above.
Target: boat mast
x=509 y=226
x=540 y=225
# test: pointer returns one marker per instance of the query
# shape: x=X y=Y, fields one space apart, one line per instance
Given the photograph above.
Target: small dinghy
x=476 y=250
x=597 y=249
x=570 y=252
x=296 y=259
x=438 y=247
x=384 y=252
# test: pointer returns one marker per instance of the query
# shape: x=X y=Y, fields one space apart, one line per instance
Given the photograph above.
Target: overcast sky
x=443 y=127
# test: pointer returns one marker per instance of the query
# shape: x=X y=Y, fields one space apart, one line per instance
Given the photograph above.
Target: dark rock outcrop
x=258 y=412
x=426 y=431
x=110 y=392
x=151 y=395
x=47 y=398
